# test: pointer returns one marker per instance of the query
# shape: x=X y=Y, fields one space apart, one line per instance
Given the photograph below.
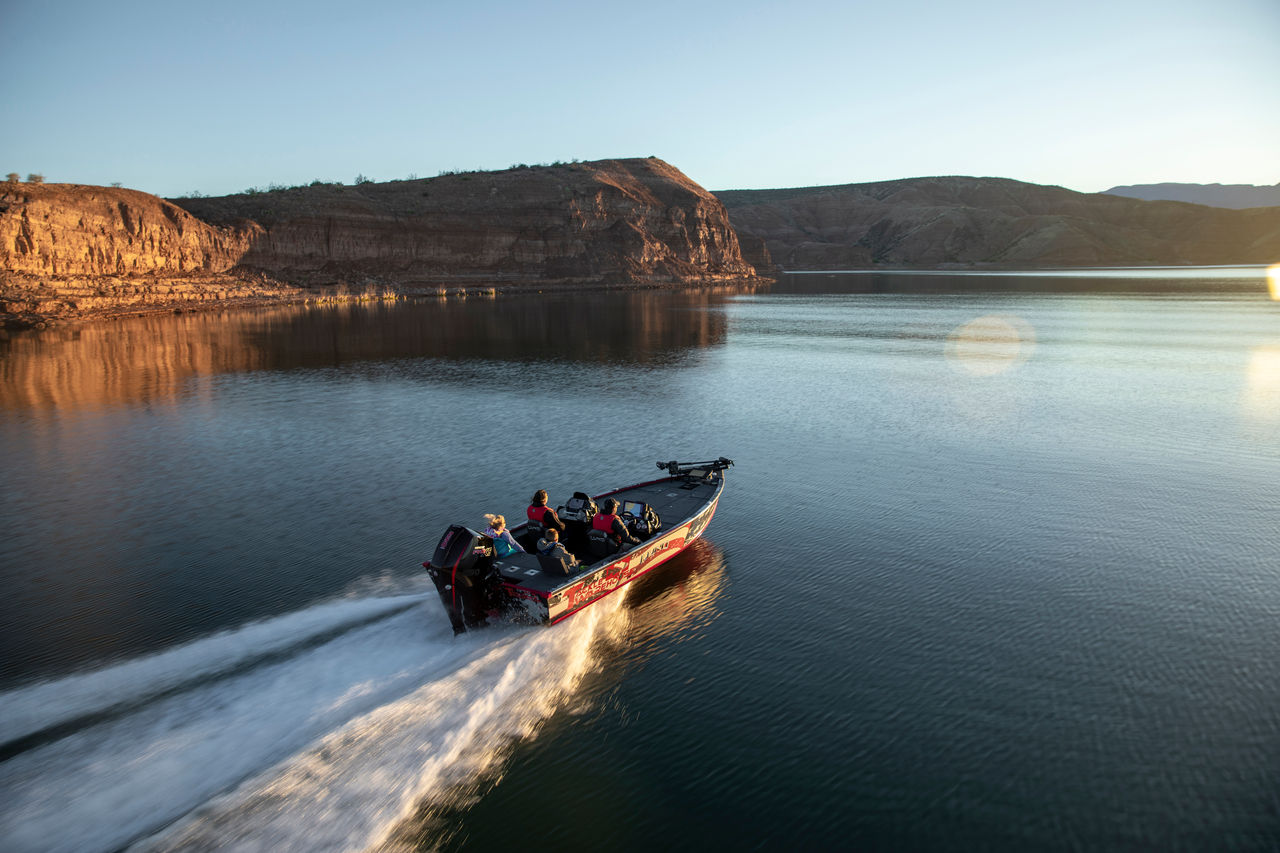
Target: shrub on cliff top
x=11 y=178
x=35 y=178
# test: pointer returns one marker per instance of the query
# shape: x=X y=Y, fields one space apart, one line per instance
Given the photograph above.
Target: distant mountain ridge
x=959 y=222
x=1233 y=196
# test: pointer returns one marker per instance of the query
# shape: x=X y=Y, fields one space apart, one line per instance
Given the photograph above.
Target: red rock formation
x=613 y=220
x=68 y=248
x=73 y=230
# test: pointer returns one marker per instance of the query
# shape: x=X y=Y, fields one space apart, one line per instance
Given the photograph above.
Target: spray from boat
x=353 y=712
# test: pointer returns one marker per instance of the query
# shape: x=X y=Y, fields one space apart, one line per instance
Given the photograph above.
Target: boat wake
x=319 y=730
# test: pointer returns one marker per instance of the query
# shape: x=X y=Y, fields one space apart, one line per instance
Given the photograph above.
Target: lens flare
x=1262 y=385
x=1273 y=281
x=991 y=344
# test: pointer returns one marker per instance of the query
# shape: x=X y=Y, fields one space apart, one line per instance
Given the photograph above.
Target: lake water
x=995 y=570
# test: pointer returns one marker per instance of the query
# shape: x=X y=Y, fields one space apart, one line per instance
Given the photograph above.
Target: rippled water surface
x=994 y=570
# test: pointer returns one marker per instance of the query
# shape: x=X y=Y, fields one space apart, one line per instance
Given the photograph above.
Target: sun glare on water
x=1273 y=281
x=991 y=344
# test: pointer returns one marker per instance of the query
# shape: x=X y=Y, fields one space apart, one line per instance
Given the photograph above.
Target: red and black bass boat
x=667 y=514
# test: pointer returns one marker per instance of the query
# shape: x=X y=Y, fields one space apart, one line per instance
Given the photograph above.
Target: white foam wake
x=326 y=748
x=49 y=704
x=350 y=790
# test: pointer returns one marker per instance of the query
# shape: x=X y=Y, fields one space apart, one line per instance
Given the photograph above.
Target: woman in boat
x=546 y=516
x=503 y=542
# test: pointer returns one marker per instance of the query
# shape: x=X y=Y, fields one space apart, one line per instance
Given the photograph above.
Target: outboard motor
x=462 y=568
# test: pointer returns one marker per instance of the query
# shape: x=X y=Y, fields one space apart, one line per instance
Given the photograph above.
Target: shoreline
x=38 y=304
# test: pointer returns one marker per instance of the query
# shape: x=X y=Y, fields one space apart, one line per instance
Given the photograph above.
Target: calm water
x=995 y=570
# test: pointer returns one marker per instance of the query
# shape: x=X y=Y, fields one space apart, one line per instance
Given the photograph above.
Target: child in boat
x=549 y=546
x=503 y=542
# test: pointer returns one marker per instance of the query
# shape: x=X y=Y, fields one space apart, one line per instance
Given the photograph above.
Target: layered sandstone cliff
x=69 y=249
x=611 y=220
x=993 y=222
x=69 y=229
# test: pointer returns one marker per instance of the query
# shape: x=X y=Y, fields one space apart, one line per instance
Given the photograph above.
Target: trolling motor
x=462 y=568
x=696 y=472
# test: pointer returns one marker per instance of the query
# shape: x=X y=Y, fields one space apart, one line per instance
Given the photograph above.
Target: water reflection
x=677 y=596
x=1273 y=281
x=148 y=359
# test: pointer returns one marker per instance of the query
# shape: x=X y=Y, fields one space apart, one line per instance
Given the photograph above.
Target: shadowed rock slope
x=639 y=220
x=992 y=222
x=71 y=250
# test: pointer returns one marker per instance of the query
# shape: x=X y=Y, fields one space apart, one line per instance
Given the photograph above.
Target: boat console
x=641 y=519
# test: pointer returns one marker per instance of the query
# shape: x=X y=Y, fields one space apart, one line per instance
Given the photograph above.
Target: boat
x=478 y=587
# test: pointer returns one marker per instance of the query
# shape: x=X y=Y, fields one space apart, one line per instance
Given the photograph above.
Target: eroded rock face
x=69 y=229
x=627 y=220
x=70 y=248
x=958 y=221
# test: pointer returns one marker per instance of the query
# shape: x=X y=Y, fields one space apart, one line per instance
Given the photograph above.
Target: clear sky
x=172 y=97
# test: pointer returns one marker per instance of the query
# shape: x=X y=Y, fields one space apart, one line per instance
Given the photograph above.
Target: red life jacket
x=604 y=522
x=536 y=513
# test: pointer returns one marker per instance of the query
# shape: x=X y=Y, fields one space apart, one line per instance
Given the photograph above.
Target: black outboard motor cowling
x=462 y=568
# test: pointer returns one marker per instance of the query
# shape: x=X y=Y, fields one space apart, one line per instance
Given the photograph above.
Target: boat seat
x=533 y=531
x=554 y=565
x=600 y=544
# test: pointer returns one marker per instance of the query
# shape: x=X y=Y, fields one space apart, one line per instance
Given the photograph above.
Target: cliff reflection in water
x=148 y=359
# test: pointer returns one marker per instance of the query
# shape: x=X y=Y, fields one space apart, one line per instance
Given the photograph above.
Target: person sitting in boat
x=608 y=521
x=550 y=546
x=546 y=516
x=504 y=543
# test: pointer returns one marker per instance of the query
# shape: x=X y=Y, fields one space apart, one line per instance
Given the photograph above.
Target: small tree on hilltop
x=35 y=178
x=12 y=178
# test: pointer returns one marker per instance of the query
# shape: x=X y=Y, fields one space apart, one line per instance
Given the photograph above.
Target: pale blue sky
x=171 y=97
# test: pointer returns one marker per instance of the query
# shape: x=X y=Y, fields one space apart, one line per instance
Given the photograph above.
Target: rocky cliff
x=638 y=220
x=68 y=229
x=69 y=249
x=993 y=222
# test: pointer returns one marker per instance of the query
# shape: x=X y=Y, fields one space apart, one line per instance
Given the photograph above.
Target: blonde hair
x=497 y=522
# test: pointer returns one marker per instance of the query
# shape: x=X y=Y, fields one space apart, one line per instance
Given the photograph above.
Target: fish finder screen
x=632 y=508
